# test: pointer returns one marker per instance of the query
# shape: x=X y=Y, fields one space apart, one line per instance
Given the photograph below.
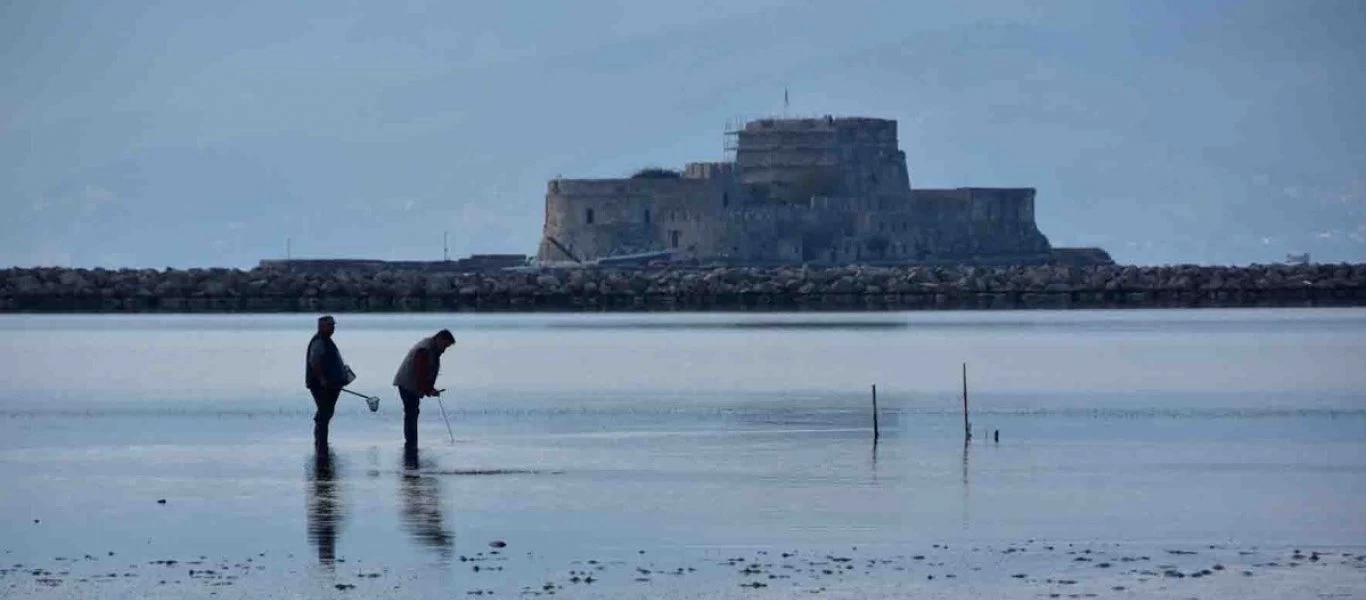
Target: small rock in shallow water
x=498 y=544
x=161 y=501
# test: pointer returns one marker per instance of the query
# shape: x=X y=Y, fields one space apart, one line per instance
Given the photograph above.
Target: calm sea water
x=679 y=436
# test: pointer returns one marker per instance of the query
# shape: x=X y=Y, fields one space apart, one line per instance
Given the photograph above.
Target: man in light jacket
x=416 y=379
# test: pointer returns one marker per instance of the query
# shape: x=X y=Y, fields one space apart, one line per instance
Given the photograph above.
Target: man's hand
x=433 y=392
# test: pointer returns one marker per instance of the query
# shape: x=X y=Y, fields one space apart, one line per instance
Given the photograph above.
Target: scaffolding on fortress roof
x=736 y=125
x=730 y=144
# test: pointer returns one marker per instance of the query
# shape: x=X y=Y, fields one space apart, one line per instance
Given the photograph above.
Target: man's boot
x=410 y=431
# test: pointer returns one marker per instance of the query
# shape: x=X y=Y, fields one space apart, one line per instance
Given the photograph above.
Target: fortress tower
x=826 y=190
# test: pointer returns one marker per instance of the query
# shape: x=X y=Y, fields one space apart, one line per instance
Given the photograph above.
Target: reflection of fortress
x=824 y=191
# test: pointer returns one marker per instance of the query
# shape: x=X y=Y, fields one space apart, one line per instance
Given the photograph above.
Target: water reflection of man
x=420 y=497
x=325 y=510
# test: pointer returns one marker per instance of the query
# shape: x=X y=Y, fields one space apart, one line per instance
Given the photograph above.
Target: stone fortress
x=821 y=191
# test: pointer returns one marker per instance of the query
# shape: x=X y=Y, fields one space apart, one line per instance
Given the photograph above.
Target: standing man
x=325 y=375
x=416 y=379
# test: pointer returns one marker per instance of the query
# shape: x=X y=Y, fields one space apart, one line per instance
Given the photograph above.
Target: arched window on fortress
x=725 y=199
x=647 y=216
x=588 y=216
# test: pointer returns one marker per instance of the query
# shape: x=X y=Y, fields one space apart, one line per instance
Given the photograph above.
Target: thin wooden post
x=967 y=427
x=875 y=430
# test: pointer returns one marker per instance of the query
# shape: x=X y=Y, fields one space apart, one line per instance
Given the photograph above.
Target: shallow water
x=690 y=438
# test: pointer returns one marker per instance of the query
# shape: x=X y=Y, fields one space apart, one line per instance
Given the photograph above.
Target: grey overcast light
x=186 y=134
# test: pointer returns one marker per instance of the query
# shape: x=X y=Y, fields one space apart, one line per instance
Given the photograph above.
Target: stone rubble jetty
x=852 y=288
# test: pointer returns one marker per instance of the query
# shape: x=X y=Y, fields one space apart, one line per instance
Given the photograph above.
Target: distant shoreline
x=680 y=289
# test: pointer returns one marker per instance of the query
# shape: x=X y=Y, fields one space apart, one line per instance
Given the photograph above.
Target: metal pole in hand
x=443 y=415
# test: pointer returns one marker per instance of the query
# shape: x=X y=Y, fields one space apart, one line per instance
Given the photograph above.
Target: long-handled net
x=372 y=401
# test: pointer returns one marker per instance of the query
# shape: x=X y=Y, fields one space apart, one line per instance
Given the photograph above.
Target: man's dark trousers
x=410 y=410
x=326 y=399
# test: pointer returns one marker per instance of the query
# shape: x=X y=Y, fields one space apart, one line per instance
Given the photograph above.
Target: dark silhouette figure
x=416 y=379
x=325 y=375
x=325 y=510
x=420 y=497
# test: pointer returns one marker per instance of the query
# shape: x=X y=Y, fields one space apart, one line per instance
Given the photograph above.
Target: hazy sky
x=139 y=133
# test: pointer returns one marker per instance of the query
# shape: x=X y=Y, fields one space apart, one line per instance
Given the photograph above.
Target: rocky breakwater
x=727 y=288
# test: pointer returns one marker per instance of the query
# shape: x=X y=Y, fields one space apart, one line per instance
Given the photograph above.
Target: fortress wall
x=995 y=205
x=709 y=170
x=941 y=205
x=1003 y=205
x=968 y=222
x=744 y=233
x=859 y=204
x=627 y=215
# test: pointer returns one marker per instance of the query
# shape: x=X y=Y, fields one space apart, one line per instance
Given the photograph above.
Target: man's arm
x=315 y=362
x=422 y=372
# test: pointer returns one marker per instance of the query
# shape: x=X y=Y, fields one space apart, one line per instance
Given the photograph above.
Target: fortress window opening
x=588 y=216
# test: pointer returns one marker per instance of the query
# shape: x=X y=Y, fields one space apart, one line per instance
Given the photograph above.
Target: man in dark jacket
x=325 y=375
x=416 y=379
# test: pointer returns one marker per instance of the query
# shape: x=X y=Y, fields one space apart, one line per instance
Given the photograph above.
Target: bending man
x=416 y=379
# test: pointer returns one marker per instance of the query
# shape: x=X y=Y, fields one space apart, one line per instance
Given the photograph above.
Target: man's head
x=444 y=339
x=326 y=325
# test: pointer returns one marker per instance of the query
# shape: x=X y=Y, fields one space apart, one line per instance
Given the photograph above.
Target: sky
x=197 y=134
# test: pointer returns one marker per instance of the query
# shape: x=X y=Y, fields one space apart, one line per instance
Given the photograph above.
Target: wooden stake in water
x=967 y=428
x=875 y=431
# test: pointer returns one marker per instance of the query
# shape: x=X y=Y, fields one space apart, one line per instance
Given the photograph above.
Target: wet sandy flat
x=1186 y=476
